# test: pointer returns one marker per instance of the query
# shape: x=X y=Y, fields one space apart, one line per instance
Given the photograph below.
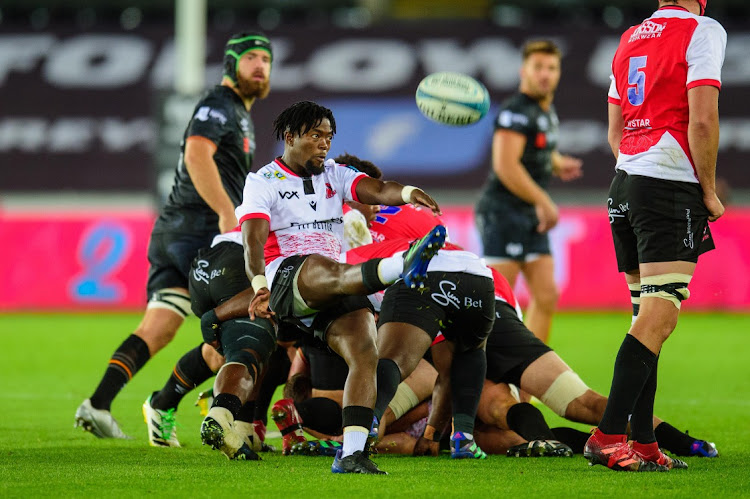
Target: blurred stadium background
x=92 y=108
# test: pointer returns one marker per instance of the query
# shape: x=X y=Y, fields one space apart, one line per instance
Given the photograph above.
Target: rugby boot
x=702 y=448
x=540 y=448
x=655 y=454
x=465 y=448
x=614 y=452
x=316 y=448
x=286 y=417
x=218 y=432
x=205 y=401
x=161 y=425
x=98 y=422
x=355 y=463
x=254 y=435
x=417 y=257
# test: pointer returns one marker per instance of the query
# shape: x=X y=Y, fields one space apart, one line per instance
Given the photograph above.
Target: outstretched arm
x=373 y=191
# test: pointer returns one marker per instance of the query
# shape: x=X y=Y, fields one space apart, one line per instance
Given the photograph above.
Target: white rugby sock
x=389 y=269
x=355 y=438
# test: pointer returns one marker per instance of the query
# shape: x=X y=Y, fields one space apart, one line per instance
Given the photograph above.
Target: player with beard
x=215 y=156
x=515 y=212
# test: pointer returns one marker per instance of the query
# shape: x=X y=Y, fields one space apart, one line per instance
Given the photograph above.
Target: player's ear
x=289 y=138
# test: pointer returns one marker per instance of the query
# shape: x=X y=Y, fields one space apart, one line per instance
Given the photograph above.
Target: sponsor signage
x=97 y=261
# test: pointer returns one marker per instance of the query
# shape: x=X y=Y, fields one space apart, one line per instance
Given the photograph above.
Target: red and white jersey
x=407 y=221
x=451 y=258
x=305 y=214
x=655 y=65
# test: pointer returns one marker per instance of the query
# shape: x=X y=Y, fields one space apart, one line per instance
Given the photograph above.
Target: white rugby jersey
x=305 y=214
x=655 y=64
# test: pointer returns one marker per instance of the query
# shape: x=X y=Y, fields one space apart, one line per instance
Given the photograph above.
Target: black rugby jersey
x=220 y=117
x=522 y=114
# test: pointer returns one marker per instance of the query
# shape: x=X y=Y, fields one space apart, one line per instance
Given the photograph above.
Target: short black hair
x=362 y=165
x=300 y=117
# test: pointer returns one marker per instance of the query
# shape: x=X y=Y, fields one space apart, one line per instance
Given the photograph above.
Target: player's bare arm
x=616 y=124
x=254 y=236
x=703 y=137
x=389 y=193
x=200 y=164
x=507 y=150
x=566 y=167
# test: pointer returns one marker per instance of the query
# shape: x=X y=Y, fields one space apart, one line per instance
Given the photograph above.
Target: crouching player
x=216 y=276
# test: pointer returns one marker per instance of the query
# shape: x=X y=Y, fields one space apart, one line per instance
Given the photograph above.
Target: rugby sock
x=632 y=368
x=635 y=298
x=370 y=277
x=575 y=439
x=320 y=414
x=390 y=269
x=672 y=439
x=528 y=421
x=190 y=371
x=467 y=378
x=229 y=402
x=389 y=376
x=642 y=420
x=124 y=364
x=276 y=374
x=247 y=412
x=356 y=421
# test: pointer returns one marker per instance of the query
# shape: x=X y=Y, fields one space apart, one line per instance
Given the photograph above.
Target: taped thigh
x=670 y=287
x=565 y=389
x=176 y=300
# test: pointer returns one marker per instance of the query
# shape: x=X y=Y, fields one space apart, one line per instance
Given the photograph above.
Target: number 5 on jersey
x=637 y=77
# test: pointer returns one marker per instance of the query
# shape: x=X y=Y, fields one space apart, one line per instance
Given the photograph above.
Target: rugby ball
x=452 y=98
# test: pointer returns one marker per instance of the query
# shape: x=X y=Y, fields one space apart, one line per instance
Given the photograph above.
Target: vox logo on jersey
x=288 y=195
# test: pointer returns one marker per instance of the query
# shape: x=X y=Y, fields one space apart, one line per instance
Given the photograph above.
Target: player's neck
x=545 y=102
x=247 y=101
x=291 y=165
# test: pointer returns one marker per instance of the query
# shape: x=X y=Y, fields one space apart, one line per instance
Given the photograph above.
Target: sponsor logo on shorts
x=201 y=275
x=616 y=211
x=688 y=241
x=514 y=249
x=445 y=297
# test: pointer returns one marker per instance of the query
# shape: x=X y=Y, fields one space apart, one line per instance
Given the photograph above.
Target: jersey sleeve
x=257 y=199
x=210 y=121
x=705 y=54
x=512 y=117
x=348 y=178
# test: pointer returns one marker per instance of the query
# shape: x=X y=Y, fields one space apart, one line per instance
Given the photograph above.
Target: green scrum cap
x=238 y=45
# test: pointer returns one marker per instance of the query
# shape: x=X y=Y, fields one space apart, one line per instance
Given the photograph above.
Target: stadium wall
x=83 y=260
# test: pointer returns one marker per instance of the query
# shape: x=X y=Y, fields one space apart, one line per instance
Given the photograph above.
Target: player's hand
x=568 y=168
x=425 y=447
x=227 y=222
x=547 y=214
x=259 y=305
x=715 y=208
x=421 y=198
x=211 y=330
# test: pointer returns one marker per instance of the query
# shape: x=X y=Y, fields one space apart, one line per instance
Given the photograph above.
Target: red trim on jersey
x=271 y=250
x=438 y=339
x=614 y=101
x=284 y=167
x=236 y=229
x=673 y=7
x=503 y=291
x=255 y=215
x=354 y=186
x=705 y=82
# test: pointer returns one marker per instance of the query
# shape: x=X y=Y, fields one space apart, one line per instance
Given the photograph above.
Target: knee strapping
x=670 y=287
x=564 y=390
x=403 y=401
x=171 y=299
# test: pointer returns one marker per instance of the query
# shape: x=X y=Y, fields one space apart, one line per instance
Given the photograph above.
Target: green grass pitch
x=51 y=362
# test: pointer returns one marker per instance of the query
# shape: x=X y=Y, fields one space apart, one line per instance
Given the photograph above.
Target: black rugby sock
x=228 y=401
x=190 y=371
x=370 y=278
x=467 y=378
x=389 y=377
x=632 y=368
x=642 y=420
x=672 y=439
x=321 y=414
x=246 y=412
x=574 y=439
x=276 y=374
x=123 y=365
x=528 y=421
